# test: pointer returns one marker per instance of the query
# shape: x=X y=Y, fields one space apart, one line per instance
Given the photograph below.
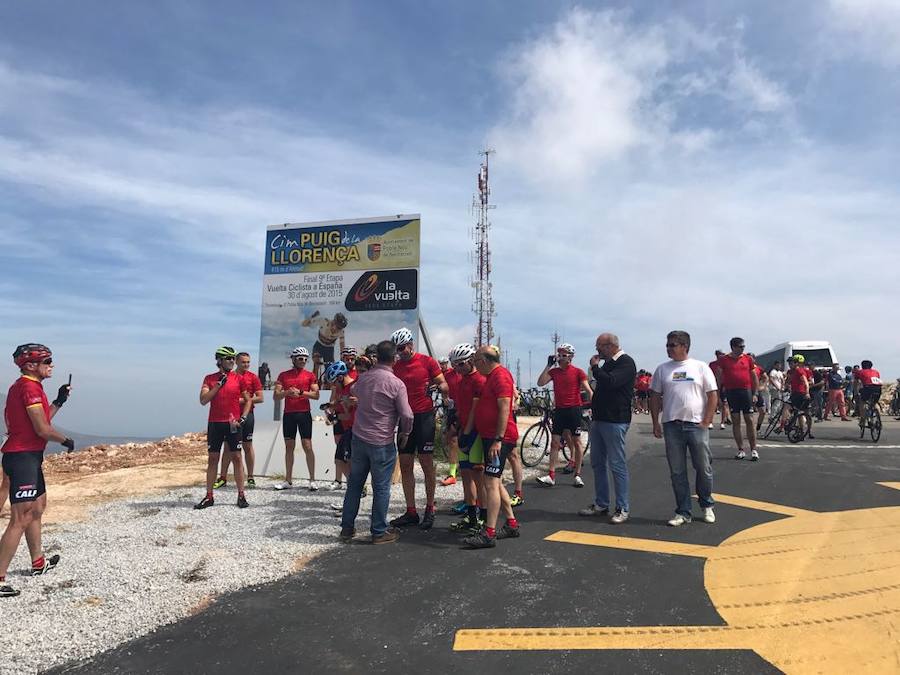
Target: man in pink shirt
x=382 y=406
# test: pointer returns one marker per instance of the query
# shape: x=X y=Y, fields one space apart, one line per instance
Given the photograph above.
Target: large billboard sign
x=336 y=283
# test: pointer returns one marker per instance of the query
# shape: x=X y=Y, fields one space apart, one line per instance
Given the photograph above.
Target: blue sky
x=722 y=167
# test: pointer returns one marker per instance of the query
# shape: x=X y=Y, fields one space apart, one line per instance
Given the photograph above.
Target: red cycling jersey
x=250 y=383
x=642 y=383
x=225 y=406
x=868 y=377
x=467 y=391
x=26 y=392
x=298 y=379
x=735 y=372
x=798 y=386
x=499 y=384
x=567 y=386
x=452 y=378
x=417 y=374
x=346 y=412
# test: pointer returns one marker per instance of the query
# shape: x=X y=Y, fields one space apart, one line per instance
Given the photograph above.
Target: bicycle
x=775 y=412
x=535 y=443
x=871 y=419
x=798 y=426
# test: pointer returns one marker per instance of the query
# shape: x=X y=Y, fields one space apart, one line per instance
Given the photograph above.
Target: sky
x=720 y=167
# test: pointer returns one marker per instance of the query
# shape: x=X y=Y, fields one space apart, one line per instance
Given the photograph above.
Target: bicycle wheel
x=875 y=425
x=795 y=429
x=774 y=417
x=534 y=444
x=862 y=423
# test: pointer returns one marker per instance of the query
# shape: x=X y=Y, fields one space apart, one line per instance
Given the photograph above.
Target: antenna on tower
x=555 y=337
x=483 y=301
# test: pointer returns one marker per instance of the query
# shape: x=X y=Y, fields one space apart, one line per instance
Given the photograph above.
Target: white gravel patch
x=143 y=563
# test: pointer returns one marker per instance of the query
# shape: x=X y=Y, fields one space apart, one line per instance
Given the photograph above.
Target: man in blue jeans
x=611 y=414
x=685 y=390
x=381 y=407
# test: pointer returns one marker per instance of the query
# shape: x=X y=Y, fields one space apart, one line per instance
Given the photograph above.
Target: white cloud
x=600 y=88
x=748 y=85
x=868 y=27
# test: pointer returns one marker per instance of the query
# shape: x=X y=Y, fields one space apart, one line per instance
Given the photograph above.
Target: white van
x=818 y=354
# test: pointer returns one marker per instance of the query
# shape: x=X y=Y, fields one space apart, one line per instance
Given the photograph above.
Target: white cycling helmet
x=401 y=337
x=349 y=351
x=461 y=352
x=300 y=351
x=566 y=348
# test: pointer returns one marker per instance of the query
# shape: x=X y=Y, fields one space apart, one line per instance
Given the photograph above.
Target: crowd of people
x=382 y=408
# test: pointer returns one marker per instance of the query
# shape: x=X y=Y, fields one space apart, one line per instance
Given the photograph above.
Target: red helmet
x=30 y=353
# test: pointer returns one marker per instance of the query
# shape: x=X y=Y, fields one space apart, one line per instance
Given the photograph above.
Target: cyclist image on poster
x=330 y=332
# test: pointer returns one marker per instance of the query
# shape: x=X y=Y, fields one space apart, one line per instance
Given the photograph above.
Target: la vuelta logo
x=384 y=289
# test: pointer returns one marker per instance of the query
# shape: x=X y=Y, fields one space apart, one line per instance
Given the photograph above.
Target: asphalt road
x=397 y=608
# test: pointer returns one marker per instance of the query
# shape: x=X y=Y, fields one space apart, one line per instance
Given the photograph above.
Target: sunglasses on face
x=228 y=358
x=299 y=358
x=47 y=362
x=671 y=345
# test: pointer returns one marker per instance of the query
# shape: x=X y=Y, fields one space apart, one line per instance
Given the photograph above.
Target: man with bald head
x=611 y=408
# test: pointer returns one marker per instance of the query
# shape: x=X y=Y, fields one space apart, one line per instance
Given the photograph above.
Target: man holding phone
x=568 y=383
x=28 y=415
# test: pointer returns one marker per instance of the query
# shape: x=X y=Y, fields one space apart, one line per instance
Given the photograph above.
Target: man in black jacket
x=611 y=408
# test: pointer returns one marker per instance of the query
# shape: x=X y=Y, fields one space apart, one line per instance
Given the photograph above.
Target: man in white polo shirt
x=686 y=392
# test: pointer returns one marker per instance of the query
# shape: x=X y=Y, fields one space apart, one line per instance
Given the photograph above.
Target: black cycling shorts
x=342 y=448
x=421 y=438
x=799 y=401
x=247 y=429
x=293 y=422
x=218 y=433
x=26 y=477
x=566 y=419
x=641 y=394
x=325 y=351
x=739 y=400
x=870 y=393
x=494 y=467
x=337 y=428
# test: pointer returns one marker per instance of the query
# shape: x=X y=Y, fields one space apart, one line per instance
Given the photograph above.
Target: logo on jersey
x=373 y=251
x=384 y=289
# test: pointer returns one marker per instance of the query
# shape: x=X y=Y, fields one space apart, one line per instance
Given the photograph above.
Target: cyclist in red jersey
x=799 y=377
x=341 y=403
x=498 y=434
x=297 y=387
x=870 y=384
x=471 y=452
x=418 y=372
x=27 y=416
x=225 y=393
x=724 y=412
x=568 y=383
x=738 y=382
x=251 y=386
x=452 y=422
x=642 y=391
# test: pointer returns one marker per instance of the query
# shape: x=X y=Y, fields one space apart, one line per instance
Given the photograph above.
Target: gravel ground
x=142 y=563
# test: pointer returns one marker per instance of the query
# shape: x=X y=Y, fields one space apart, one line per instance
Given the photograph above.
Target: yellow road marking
x=890 y=484
x=762 y=506
x=632 y=544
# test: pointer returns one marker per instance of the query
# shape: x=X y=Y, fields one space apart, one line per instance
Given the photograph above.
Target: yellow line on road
x=631 y=544
x=762 y=506
x=890 y=484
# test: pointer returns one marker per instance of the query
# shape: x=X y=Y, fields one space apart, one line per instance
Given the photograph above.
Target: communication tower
x=555 y=337
x=483 y=302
